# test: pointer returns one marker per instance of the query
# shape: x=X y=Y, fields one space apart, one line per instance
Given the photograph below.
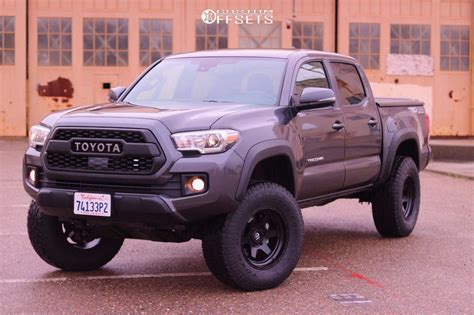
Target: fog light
x=198 y=184
x=32 y=175
x=194 y=184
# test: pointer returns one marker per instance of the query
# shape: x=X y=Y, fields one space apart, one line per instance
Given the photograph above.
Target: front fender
x=260 y=152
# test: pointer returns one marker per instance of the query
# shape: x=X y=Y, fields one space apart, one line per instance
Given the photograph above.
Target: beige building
x=55 y=54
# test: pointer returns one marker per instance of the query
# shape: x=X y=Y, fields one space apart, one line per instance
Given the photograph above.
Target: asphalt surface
x=346 y=267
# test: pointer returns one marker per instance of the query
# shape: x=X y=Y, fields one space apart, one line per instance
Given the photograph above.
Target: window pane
x=444 y=63
x=66 y=58
x=9 y=40
x=8 y=57
x=111 y=26
x=364 y=30
x=54 y=41
x=9 y=24
x=43 y=58
x=123 y=58
x=66 y=26
x=66 y=42
x=310 y=75
x=54 y=25
x=123 y=26
x=42 y=41
x=88 y=58
x=349 y=83
x=54 y=58
x=99 y=25
x=42 y=25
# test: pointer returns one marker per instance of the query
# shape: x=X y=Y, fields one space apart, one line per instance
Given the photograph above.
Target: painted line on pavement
x=135 y=276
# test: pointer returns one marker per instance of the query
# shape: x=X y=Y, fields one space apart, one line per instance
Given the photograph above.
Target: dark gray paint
x=355 y=157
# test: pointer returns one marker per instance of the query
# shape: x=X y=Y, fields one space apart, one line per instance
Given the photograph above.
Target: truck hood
x=182 y=118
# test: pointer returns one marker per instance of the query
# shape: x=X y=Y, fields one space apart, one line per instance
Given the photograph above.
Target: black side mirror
x=316 y=97
x=115 y=92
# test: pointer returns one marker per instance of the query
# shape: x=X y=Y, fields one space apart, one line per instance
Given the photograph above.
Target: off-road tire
x=50 y=243
x=226 y=244
x=389 y=207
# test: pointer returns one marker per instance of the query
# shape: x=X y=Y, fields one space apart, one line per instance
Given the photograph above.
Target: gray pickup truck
x=224 y=146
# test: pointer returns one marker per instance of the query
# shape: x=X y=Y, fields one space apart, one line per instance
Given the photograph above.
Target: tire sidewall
x=408 y=169
x=271 y=197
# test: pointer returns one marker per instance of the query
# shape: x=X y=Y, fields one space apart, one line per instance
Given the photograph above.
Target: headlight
x=38 y=135
x=206 y=141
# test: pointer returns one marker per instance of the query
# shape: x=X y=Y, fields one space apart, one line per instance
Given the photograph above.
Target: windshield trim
x=153 y=65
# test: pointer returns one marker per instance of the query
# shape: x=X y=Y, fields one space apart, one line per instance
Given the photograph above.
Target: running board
x=322 y=200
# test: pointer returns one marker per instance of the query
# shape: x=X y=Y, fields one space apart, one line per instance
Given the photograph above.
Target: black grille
x=171 y=187
x=126 y=135
x=124 y=164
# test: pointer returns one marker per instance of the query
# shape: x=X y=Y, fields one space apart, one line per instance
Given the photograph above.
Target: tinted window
x=310 y=75
x=349 y=83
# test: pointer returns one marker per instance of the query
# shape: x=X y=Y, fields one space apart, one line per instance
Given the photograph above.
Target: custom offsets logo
x=209 y=16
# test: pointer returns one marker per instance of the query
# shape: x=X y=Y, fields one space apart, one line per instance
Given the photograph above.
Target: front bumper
x=130 y=208
x=140 y=205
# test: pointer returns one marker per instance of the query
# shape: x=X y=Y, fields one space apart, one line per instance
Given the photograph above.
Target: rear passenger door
x=362 y=126
x=323 y=146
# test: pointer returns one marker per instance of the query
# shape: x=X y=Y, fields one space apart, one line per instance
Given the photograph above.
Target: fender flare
x=260 y=152
x=389 y=156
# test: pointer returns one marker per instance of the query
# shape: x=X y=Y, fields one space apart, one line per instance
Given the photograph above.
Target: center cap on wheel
x=256 y=236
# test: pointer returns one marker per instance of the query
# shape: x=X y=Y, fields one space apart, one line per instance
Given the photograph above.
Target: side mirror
x=316 y=97
x=115 y=92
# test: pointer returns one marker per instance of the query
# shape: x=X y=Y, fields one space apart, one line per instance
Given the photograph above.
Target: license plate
x=92 y=204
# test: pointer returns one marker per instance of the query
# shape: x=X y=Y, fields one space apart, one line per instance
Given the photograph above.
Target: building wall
x=24 y=101
x=13 y=109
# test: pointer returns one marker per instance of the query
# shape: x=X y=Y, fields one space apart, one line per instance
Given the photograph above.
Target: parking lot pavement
x=346 y=267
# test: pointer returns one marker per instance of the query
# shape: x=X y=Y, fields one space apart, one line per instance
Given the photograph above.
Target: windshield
x=210 y=80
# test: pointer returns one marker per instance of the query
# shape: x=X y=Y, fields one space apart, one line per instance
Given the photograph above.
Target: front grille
x=126 y=164
x=171 y=187
x=140 y=153
x=126 y=135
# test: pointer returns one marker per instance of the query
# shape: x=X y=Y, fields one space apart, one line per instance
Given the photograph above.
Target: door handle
x=337 y=125
x=372 y=122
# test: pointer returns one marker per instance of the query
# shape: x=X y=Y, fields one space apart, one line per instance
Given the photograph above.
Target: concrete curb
x=450 y=174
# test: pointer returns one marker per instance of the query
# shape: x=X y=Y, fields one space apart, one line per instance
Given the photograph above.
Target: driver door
x=323 y=146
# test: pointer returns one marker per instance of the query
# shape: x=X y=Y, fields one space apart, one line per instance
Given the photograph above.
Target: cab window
x=310 y=74
x=349 y=83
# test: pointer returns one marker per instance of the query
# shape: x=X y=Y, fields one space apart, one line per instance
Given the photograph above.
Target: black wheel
x=396 y=204
x=63 y=246
x=257 y=246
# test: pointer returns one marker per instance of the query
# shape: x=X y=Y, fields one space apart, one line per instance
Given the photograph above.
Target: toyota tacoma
x=224 y=146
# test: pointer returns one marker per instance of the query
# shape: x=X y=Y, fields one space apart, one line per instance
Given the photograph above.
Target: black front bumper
x=129 y=208
x=139 y=203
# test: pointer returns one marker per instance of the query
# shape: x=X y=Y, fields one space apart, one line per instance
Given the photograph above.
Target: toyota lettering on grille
x=110 y=147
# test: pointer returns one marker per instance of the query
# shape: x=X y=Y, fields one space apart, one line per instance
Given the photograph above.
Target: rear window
x=349 y=83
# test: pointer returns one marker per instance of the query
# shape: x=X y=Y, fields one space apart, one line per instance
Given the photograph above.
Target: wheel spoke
x=264 y=247
x=253 y=251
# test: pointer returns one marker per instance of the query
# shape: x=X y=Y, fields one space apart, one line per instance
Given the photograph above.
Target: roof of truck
x=270 y=53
